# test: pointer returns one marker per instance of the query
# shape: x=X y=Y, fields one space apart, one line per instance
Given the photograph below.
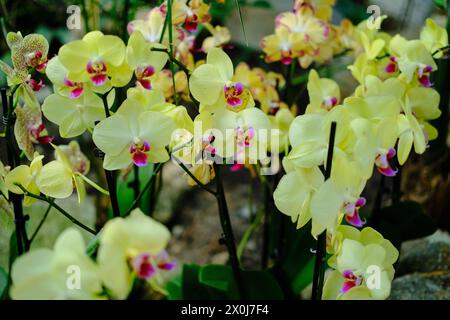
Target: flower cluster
x=305 y=34
x=385 y=117
x=129 y=248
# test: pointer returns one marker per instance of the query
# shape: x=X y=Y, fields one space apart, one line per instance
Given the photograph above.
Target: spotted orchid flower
x=283 y=46
x=133 y=247
x=145 y=62
x=29 y=130
x=189 y=13
x=322 y=8
x=219 y=37
x=212 y=85
x=28 y=52
x=133 y=135
x=97 y=58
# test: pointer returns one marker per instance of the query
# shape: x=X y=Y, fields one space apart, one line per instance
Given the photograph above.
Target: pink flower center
x=330 y=102
x=233 y=94
x=392 y=66
x=39 y=134
x=424 y=76
x=36 y=60
x=139 y=152
x=77 y=88
x=97 y=72
x=383 y=165
x=351 y=212
x=351 y=280
x=145 y=265
x=244 y=136
x=143 y=75
x=191 y=22
x=35 y=85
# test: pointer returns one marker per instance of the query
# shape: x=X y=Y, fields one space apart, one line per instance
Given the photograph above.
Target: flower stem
x=13 y=161
x=228 y=236
x=149 y=183
x=41 y=223
x=319 y=265
x=172 y=69
x=110 y=179
x=52 y=203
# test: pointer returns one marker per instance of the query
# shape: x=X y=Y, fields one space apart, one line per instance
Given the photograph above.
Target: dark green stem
x=126 y=8
x=110 y=179
x=13 y=161
x=51 y=202
x=172 y=69
x=41 y=223
x=228 y=236
x=319 y=265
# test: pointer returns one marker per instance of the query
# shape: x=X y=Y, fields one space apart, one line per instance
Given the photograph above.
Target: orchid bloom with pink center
x=144 y=74
x=351 y=212
x=98 y=59
x=213 y=85
x=134 y=135
x=36 y=60
x=383 y=165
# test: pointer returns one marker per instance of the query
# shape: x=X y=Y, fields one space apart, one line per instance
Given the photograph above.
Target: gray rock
x=422 y=286
x=425 y=255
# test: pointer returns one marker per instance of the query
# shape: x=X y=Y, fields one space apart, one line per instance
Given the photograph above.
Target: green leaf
x=404 y=221
x=3 y=282
x=257 y=285
x=125 y=191
x=296 y=258
x=174 y=288
x=192 y=289
x=92 y=246
x=442 y=4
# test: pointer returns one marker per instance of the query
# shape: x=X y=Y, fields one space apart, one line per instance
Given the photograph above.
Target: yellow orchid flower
x=145 y=62
x=219 y=36
x=58 y=75
x=133 y=135
x=25 y=176
x=294 y=191
x=151 y=27
x=324 y=94
x=189 y=14
x=65 y=272
x=283 y=46
x=322 y=8
x=243 y=136
x=434 y=37
x=132 y=247
x=414 y=60
x=97 y=58
x=280 y=124
x=363 y=266
x=74 y=116
x=58 y=178
x=211 y=84
x=410 y=132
